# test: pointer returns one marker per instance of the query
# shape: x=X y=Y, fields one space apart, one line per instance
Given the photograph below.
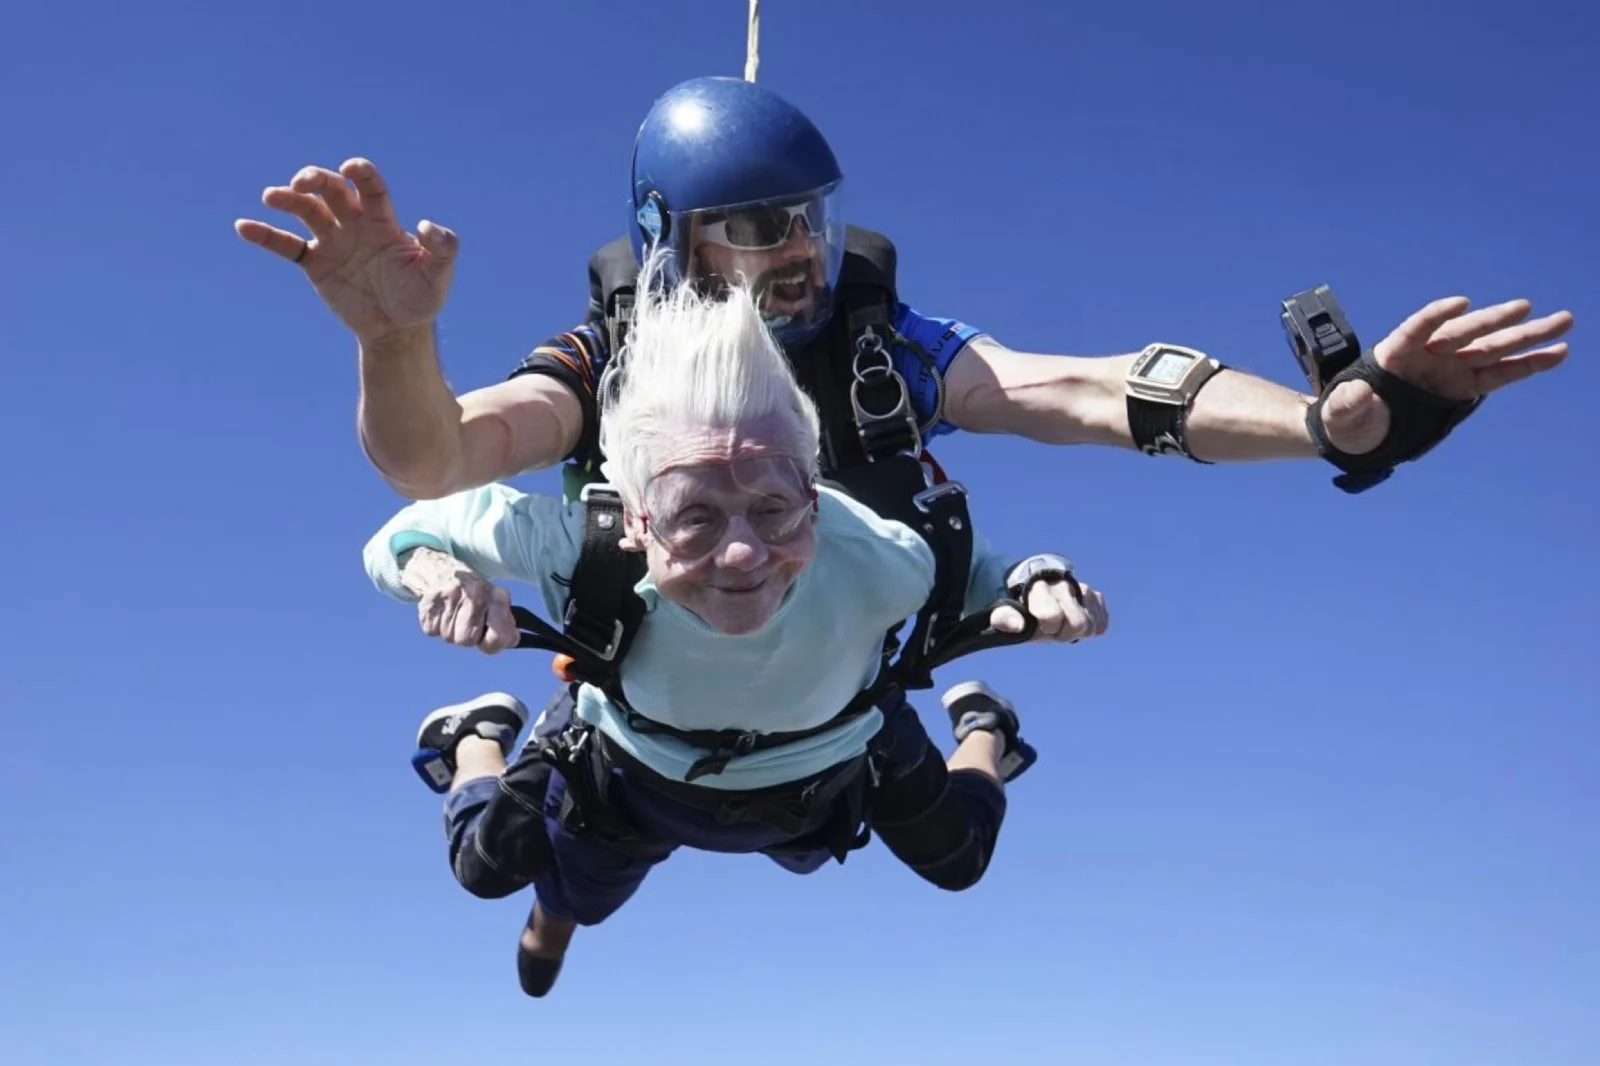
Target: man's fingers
x=278 y=242
x=311 y=210
x=331 y=189
x=1045 y=604
x=1099 y=614
x=1414 y=332
x=1007 y=620
x=1508 y=341
x=1459 y=332
x=373 y=194
x=440 y=242
x=1507 y=371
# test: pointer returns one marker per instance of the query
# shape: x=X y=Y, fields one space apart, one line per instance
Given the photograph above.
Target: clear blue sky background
x=1243 y=845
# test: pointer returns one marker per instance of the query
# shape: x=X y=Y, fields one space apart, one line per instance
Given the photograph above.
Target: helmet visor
x=787 y=251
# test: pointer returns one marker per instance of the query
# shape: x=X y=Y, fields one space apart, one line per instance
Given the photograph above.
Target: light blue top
x=821 y=647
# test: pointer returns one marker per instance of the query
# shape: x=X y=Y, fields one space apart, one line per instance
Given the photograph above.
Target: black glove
x=1418 y=420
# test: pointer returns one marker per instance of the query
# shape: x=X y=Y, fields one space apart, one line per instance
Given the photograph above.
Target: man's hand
x=1450 y=353
x=379 y=279
x=1061 y=614
x=457 y=605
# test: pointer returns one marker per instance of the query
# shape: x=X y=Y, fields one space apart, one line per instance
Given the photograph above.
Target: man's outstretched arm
x=1076 y=400
x=428 y=443
x=388 y=286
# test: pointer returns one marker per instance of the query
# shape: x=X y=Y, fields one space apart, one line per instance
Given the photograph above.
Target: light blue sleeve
x=988 y=579
x=500 y=533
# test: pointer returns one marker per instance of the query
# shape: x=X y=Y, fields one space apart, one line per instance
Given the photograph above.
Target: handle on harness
x=574 y=660
x=974 y=633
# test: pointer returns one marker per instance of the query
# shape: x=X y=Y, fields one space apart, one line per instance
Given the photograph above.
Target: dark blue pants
x=943 y=825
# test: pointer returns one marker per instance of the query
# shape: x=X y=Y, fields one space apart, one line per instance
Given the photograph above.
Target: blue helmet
x=723 y=173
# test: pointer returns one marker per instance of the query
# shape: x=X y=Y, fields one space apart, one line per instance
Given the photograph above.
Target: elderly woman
x=767 y=597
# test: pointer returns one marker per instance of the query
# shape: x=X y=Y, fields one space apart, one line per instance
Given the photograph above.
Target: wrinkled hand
x=376 y=277
x=1450 y=353
x=1061 y=615
x=458 y=606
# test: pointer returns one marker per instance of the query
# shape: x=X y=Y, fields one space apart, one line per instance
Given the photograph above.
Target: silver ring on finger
x=305 y=246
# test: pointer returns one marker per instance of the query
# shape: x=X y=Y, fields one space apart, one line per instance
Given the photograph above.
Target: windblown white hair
x=693 y=362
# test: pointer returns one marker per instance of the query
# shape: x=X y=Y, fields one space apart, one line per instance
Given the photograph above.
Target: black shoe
x=973 y=706
x=494 y=716
x=536 y=973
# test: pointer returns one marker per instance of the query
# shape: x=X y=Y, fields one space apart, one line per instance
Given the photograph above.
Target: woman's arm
x=456 y=605
x=495 y=532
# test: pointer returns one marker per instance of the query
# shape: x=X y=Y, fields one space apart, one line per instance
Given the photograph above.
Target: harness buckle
x=717 y=761
x=605 y=653
x=870 y=346
x=595 y=489
x=714 y=763
x=872 y=425
x=927 y=498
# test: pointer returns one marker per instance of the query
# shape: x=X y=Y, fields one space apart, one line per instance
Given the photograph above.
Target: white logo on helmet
x=649 y=217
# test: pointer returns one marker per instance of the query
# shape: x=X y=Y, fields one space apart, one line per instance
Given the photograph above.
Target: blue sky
x=1328 y=793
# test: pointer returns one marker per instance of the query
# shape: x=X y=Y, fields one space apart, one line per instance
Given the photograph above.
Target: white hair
x=694 y=362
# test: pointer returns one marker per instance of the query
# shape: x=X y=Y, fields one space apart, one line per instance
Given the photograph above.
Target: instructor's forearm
x=408 y=419
x=1064 y=399
x=1237 y=417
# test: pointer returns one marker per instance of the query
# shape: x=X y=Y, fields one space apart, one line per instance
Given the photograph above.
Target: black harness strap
x=722 y=745
x=787 y=807
x=587 y=806
x=603 y=613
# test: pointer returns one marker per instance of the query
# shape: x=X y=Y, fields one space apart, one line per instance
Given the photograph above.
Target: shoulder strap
x=897 y=487
x=846 y=368
x=603 y=612
x=613 y=273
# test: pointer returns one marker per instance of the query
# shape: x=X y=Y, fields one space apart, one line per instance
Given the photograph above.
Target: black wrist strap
x=1162 y=428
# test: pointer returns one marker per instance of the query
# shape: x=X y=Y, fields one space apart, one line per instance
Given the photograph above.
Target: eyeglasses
x=695 y=532
x=693 y=529
x=764 y=226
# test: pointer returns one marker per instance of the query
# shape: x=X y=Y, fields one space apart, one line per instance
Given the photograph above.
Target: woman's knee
x=942 y=824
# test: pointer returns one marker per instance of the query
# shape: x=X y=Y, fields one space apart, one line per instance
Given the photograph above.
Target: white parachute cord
x=752 y=52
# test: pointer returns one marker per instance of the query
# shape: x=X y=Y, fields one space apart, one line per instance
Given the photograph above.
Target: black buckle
x=585 y=642
x=599 y=488
x=927 y=498
x=718 y=760
x=581 y=631
x=944 y=503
